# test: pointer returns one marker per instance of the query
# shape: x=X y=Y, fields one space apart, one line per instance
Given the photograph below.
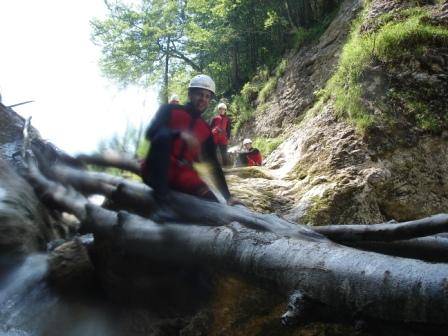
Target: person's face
x=200 y=99
x=222 y=110
x=247 y=146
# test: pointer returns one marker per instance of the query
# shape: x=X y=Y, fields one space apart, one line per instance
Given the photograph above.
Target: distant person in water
x=174 y=99
x=221 y=125
x=249 y=156
x=179 y=138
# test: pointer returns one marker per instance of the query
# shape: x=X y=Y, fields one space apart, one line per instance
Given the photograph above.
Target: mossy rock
x=249 y=172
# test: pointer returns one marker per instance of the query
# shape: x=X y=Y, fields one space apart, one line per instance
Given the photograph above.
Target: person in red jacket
x=250 y=156
x=180 y=137
x=221 y=125
x=174 y=99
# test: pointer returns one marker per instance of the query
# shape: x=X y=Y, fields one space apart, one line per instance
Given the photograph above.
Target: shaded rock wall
x=308 y=70
x=337 y=178
x=394 y=170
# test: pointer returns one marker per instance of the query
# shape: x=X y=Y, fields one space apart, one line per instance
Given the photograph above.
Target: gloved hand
x=190 y=139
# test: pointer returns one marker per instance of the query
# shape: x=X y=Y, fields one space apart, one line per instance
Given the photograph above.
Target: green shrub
x=281 y=68
x=267 y=89
x=241 y=112
x=267 y=145
x=259 y=88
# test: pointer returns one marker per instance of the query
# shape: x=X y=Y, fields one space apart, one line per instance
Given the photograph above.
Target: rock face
x=308 y=70
x=396 y=169
x=338 y=179
x=71 y=270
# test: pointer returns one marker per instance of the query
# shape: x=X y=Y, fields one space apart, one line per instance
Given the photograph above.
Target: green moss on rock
x=397 y=38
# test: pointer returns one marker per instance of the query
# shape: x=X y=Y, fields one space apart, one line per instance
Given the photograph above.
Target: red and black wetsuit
x=249 y=158
x=169 y=163
x=221 y=127
x=254 y=157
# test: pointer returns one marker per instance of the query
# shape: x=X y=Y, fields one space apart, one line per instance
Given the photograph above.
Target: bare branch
x=111 y=159
x=386 y=231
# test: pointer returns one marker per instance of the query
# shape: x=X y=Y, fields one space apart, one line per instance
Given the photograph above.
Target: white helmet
x=247 y=141
x=203 y=82
x=222 y=105
x=174 y=97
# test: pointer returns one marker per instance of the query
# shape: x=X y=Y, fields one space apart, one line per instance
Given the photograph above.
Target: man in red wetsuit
x=220 y=125
x=180 y=137
x=250 y=156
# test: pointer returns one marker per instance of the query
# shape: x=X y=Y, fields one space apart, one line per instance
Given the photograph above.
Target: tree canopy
x=165 y=42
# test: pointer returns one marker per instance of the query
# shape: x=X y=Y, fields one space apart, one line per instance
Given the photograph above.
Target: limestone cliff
x=363 y=112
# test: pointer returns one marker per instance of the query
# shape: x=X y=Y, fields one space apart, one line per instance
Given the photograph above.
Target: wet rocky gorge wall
x=330 y=173
x=396 y=169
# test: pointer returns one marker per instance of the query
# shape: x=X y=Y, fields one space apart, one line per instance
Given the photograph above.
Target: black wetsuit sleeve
x=159 y=125
x=209 y=156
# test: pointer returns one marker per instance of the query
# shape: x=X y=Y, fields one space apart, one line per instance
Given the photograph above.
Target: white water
x=22 y=295
x=28 y=307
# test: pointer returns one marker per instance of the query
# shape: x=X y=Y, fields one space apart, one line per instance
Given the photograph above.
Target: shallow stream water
x=28 y=307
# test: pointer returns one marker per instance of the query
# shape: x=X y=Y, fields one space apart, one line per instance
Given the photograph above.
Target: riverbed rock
x=71 y=270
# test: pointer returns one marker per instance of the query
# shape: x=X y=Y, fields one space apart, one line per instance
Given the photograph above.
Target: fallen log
x=340 y=278
x=431 y=248
x=181 y=206
x=138 y=198
x=345 y=279
x=386 y=231
x=354 y=234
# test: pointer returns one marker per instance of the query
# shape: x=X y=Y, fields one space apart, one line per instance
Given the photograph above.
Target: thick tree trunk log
x=342 y=279
x=127 y=193
x=181 y=206
x=353 y=234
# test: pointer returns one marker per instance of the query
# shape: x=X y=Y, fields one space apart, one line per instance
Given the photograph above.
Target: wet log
x=181 y=206
x=341 y=279
x=348 y=234
x=138 y=198
x=431 y=248
x=390 y=231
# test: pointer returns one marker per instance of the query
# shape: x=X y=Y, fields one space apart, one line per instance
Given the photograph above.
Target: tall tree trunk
x=252 y=44
x=166 y=72
x=289 y=15
x=235 y=65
